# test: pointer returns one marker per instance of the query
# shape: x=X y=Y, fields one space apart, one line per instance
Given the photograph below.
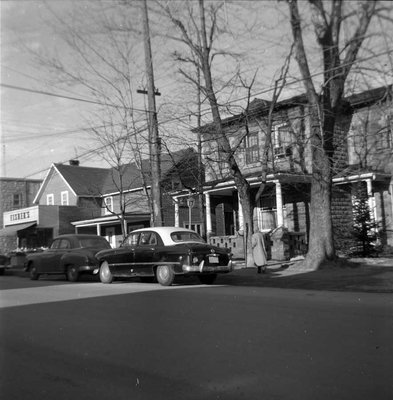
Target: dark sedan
x=70 y=254
x=162 y=253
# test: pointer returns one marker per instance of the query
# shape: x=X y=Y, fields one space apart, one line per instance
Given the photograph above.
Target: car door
x=52 y=260
x=48 y=256
x=122 y=258
x=145 y=253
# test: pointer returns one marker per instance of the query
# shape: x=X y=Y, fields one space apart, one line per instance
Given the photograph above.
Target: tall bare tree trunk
x=224 y=147
x=325 y=110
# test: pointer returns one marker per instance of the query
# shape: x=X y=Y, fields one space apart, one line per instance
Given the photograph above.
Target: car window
x=145 y=238
x=55 y=244
x=131 y=239
x=183 y=236
x=64 y=244
x=94 y=242
x=153 y=239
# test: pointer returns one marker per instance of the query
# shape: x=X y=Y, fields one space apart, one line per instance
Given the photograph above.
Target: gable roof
x=96 y=182
x=131 y=174
x=84 y=181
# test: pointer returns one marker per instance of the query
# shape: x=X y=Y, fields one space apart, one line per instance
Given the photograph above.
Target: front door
x=110 y=236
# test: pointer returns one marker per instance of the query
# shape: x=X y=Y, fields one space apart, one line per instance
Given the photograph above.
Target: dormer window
x=108 y=203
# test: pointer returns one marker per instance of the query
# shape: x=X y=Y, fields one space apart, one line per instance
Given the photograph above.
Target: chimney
x=74 y=163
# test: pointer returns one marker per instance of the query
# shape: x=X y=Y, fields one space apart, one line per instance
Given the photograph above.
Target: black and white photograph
x=196 y=199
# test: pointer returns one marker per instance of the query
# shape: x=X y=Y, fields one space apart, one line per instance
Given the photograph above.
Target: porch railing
x=295 y=245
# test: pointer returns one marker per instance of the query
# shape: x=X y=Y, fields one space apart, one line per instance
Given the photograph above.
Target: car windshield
x=94 y=242
x=183 y=236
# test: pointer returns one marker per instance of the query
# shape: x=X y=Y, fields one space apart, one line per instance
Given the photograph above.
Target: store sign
x=20 y=216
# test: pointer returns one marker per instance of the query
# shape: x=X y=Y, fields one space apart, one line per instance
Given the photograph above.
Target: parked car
x=71 y=255
x=162 y=253
x=4 y=263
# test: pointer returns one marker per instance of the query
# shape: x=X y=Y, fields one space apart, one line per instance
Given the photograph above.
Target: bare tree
x=104 y=68
x=327 y=108
x=199 y=39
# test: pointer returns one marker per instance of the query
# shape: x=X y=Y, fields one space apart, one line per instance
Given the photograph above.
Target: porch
x=282 y=215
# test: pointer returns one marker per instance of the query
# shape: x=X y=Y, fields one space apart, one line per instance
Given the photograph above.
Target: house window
x=50 y=199
x=64 y=198
x=251 y=147
x=108 y=202
x=282 y=141
x=17 y=200
x=384 y=139
x=194 y=227
x=268 y=218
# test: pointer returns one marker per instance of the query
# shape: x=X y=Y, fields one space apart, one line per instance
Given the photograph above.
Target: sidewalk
x=364 y=275
x=374 y=275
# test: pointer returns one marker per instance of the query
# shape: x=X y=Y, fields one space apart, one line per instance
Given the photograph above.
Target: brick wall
x=342 y=217
x=27 y=189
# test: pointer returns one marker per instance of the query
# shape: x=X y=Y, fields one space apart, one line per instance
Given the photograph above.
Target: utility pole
x=154 y=139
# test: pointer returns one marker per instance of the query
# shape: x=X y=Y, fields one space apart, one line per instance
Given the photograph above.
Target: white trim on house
x=64 y=201
x=125 y=191
x=45 y=183
x=50 y=199
x=108 y=205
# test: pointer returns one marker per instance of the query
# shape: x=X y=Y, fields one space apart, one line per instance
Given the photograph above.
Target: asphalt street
x=130 y=340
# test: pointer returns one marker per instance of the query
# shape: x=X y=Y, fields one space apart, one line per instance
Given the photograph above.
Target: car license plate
x=213 y=259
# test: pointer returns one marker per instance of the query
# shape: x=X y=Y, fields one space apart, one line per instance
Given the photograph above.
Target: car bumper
x=202 y=268
x=89 y=268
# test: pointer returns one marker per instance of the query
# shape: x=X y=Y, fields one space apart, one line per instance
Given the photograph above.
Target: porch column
x=177 y=220
x=371 y=200
x=209 y=229
x=391 y=200
x=280 y=212
x=241 y=217
x=98 y=229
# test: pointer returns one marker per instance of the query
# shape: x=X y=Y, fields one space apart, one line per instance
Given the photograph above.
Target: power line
x=23 y=89
x=181 y=117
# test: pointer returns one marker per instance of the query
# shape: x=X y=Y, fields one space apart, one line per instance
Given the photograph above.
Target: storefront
x=22 y=230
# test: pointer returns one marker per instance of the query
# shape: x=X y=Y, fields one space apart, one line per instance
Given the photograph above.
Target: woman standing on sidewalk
x=259 y=251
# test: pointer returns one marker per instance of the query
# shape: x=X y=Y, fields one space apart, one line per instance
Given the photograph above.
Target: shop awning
x=13 y=229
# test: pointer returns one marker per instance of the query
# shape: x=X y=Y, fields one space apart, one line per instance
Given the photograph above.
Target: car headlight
x=195 y=260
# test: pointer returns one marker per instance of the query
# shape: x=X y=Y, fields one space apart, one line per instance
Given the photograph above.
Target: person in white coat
x=259 y=251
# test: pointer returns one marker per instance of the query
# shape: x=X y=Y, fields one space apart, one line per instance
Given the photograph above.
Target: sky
x=44 y=121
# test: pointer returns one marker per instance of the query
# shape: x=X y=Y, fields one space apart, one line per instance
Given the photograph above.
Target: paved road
x=138 y=341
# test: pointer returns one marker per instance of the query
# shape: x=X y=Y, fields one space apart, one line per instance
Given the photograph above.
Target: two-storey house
x=283 y=208
x=129 y=190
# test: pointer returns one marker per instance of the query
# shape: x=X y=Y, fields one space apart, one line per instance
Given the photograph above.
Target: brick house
x=16 y=194
x=363 y=153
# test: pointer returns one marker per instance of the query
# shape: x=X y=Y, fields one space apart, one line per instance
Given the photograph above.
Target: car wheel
x=105 y=273
x=165 y=275
x=72 y=273
x=34 y=275
x=207 y=279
